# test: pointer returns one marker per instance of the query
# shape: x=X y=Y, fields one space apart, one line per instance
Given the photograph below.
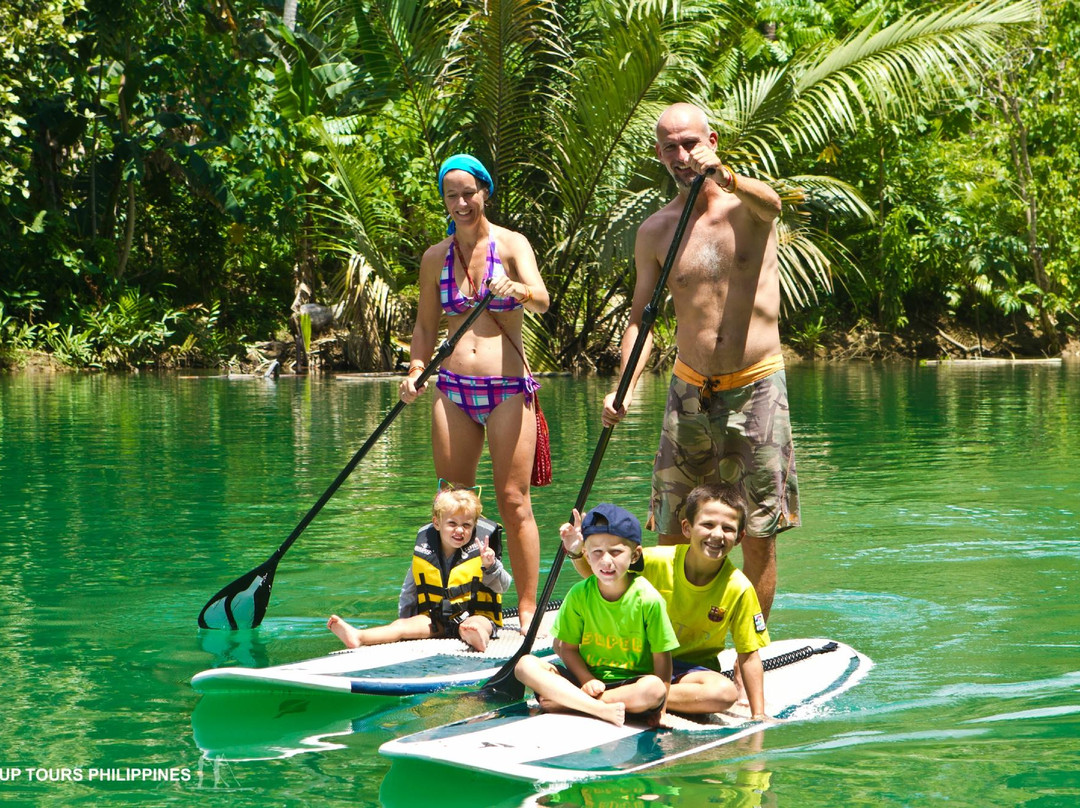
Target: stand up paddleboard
x=524 y=743
x=396 y=669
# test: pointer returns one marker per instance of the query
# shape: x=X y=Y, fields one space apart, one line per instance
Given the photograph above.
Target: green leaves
x=874 y=73
x=160 y=135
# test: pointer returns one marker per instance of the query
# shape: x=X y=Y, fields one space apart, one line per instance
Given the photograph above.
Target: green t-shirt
x=616 y=638
x=703 y=615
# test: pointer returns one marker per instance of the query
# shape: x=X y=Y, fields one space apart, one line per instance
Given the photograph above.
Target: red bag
x=541 y=473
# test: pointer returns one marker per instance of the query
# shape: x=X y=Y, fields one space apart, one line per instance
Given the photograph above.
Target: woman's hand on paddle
x=408 y=391
x=502 y=286
x=570 y=533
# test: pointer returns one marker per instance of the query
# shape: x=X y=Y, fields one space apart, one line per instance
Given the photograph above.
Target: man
x=727 y=413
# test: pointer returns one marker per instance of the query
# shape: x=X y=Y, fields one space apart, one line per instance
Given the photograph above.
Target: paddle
x=504 y=683
x=243 y=602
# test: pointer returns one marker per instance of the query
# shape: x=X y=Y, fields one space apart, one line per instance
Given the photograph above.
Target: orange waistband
x=729 y=381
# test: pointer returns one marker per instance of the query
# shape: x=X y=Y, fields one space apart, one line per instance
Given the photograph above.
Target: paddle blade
x=504 y=686
x=241 y=604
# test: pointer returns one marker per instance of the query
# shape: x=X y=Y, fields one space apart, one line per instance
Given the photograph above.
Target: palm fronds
x=561 y=99
x=355 y=199
x=898 y=69
x=408 y=49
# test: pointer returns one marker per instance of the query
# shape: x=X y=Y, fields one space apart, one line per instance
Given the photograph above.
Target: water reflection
x=742 y=788
x=257 y=726
x=244 y=648
x=740 y=783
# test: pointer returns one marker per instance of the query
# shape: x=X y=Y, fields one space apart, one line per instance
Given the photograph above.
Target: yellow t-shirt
x=702 y=616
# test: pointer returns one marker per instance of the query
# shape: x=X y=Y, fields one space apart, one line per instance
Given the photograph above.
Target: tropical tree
x=138 y=152
x=561 y=101
x=973 y=200
x=1034 y=94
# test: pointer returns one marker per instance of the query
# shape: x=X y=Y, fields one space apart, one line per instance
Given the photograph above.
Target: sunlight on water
x=940 y=538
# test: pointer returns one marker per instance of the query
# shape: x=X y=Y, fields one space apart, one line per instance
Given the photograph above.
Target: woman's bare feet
x=524 y=620
x=351 y=636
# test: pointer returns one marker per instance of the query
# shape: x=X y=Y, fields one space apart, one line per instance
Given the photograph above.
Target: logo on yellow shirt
x=716 y=614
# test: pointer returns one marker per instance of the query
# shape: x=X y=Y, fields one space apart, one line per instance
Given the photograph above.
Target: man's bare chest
x=704 y=261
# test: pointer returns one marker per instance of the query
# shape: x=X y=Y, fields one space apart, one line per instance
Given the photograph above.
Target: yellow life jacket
x=464 y=592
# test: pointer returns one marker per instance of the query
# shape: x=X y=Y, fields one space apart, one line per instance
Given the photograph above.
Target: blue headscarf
x=469 y=164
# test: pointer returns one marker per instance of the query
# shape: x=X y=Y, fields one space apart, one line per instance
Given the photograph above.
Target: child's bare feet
x=349 y=635
x=615 y=712
x=473 y=636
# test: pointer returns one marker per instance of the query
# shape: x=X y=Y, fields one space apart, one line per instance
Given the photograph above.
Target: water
x=940 y=538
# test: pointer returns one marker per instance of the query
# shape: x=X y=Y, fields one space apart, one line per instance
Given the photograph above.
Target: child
x=613 y=633
x=454 y=585
x=707 y=597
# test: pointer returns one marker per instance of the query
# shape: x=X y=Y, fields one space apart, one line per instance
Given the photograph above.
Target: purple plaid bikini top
x=451 y=297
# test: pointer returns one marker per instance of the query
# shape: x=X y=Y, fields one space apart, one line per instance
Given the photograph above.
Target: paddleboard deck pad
x=522 y=742
x=397 y=669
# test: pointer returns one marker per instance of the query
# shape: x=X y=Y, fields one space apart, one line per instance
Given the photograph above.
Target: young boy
x=614 y=636
x=454 y=585
x=707 y=597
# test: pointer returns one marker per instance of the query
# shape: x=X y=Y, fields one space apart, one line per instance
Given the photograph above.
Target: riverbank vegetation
x=198 y=182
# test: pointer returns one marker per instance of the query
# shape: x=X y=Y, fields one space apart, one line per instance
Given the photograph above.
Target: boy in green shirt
x=613 y=633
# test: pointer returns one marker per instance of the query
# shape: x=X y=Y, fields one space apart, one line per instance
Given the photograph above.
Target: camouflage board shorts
x=741 y=434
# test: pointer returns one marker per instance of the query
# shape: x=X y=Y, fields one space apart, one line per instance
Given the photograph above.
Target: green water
x=941 y=539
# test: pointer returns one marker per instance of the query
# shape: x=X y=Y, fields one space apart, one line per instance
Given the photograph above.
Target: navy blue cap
x=619 y=522
x=614 y=520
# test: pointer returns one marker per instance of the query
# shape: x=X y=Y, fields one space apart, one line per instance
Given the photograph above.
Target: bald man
x=727 y=411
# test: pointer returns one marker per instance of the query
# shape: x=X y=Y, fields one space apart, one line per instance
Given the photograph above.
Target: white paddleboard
x=400 y=668
x=524 y=743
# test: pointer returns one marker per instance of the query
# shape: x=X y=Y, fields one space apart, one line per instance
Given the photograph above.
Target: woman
x=483 y=385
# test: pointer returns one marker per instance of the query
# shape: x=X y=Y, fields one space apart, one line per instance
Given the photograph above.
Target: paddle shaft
x=503 y=682
x=444 y=350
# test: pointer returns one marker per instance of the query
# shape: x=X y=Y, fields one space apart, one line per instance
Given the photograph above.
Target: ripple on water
x=967 y=551
x=1008 y=690
x=1024 y=715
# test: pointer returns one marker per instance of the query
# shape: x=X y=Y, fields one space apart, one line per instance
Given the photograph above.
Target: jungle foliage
x=177 y=177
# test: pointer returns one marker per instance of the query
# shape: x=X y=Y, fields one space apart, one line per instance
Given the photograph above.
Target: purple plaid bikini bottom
x=477 y=396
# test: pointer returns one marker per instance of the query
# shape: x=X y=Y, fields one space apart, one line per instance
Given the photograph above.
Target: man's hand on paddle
x=611 y=416
x=703 y=158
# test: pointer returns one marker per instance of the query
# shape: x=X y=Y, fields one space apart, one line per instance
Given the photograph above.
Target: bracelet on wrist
x=574 y=556
x=732 y=184
x=527 y=296
x=415 y=368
